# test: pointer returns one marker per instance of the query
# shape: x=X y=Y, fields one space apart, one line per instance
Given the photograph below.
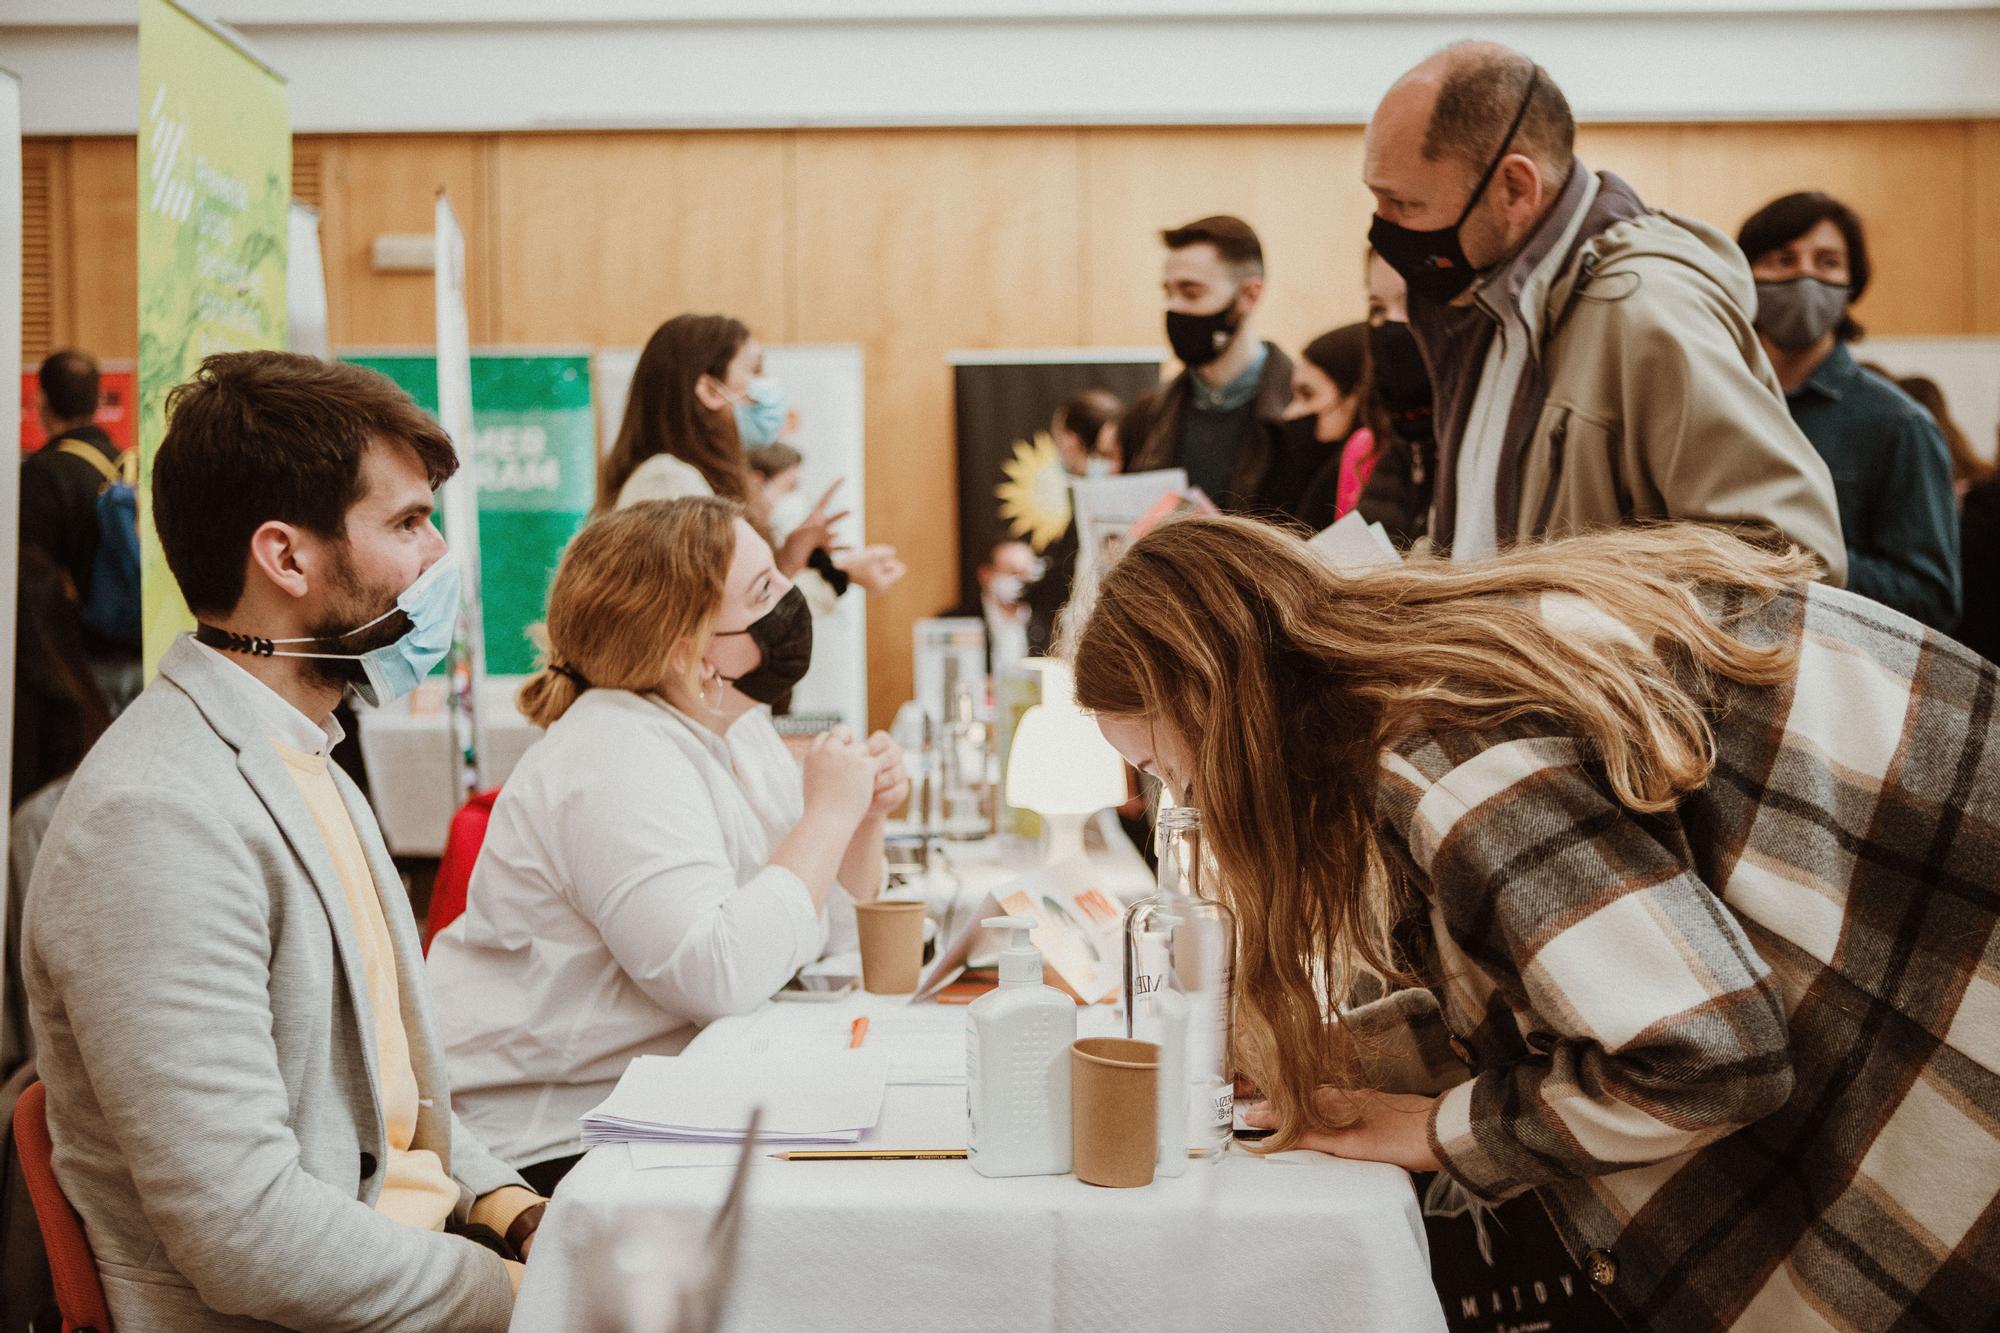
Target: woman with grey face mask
x=1891 y=469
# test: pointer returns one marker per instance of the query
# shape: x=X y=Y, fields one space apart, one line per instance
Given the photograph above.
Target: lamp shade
x=1061 y=764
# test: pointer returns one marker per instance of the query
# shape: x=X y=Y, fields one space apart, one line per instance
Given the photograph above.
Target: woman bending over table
x=1695 y=863
x=657 y=860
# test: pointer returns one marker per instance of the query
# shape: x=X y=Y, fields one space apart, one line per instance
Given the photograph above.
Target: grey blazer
x=197 y=993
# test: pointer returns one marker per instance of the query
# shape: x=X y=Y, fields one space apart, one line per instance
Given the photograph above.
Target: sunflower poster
x=1011 y=483
x=215 y=191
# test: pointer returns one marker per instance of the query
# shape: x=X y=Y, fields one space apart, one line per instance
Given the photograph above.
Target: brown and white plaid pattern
x=1748 y=1053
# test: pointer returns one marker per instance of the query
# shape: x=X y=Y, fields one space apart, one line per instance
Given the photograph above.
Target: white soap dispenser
x=1017 y=1065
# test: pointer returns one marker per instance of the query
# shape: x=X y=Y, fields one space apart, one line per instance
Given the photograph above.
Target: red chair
x=79 y=1292
x=461 y=849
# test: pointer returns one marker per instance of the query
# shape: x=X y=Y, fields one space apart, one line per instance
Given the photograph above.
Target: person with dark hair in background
x=58 y=710
x=1891 y=471
x=1979 y=550
x=1085 y=428
x=1592 y=359
x=60 y=483
x=1223 y=417
x=1327 y=420
x=248 y=1105
x=1391 y=483
x=698 y=393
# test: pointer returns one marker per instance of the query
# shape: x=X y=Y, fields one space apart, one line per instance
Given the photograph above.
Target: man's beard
x=350 y=604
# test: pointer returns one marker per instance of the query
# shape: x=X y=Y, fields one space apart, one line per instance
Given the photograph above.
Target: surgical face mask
x=784 y=635
x=787 y=512
x=1400 y=381
x=762 y=412
x=1433 y=263
x=1798 y=313
x=1096 y=466
x=387 y=673
x=1199 y=339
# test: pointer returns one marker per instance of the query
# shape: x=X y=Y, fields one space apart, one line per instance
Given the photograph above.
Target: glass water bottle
x=1180 y=973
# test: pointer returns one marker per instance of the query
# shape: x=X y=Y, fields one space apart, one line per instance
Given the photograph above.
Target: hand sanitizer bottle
x=1017 y=1065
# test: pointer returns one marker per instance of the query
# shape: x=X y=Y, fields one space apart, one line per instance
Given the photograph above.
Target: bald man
x=1593 y=360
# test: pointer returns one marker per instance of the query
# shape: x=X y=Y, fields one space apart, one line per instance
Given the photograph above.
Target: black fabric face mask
x=1199 y=339
x=1401 y=383
x=1433 y=263
x=784 y=635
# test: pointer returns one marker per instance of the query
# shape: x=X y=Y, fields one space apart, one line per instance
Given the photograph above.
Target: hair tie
x=570 y=674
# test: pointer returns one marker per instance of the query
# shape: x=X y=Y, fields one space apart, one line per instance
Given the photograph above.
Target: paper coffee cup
x=892 y=946
x=1114 y=1089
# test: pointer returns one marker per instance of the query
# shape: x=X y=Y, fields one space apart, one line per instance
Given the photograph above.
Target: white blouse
x=624 y=897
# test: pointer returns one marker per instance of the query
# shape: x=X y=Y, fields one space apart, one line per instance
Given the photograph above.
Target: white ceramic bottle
x=1017 y=1066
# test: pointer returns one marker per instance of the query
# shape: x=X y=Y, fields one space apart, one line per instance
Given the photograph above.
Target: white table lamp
x=1061 y=767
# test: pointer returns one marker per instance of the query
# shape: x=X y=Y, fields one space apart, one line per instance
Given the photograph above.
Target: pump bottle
x=1017 y=1065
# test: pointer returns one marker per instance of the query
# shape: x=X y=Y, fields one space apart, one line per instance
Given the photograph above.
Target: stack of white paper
x=817 y=1097
x=1355 y=546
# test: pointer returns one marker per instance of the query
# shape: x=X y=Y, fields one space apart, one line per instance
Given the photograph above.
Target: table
x=1299 y=1241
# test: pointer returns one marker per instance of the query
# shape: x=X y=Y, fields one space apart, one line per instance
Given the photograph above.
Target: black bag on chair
x=1520 y=1280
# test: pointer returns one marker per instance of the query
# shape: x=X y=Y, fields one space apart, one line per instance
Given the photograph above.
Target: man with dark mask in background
x=1592 y=360
x=1222 y=417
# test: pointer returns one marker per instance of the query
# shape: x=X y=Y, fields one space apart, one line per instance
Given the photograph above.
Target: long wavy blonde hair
x=1287 y=681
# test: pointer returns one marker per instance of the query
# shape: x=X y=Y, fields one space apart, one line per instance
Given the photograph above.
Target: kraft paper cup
x=1114 y=1090
x=892 y=946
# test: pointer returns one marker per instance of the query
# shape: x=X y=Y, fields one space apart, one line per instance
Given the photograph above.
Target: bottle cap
x=1020 y=961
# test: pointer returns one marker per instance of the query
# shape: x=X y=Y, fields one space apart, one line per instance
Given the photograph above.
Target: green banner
x=215 y=189
x=535 y=441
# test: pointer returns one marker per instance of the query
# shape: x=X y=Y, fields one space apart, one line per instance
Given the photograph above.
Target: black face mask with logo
x=1199 y=339
x=784 y=635
x=1433 y=263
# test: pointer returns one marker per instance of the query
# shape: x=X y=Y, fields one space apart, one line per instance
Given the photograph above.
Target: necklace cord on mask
x=229 y=642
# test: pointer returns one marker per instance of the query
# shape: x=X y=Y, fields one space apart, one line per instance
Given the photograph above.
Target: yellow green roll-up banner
x=215 y=189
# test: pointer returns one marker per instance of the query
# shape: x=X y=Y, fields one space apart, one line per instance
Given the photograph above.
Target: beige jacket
x=1658 y=401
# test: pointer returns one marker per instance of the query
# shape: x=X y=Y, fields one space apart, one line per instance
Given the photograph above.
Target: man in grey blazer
x=246 y=1097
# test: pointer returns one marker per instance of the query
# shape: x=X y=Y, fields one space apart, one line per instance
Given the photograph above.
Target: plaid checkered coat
x=1747 y=1053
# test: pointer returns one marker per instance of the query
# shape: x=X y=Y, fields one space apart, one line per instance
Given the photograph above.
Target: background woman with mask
x=699 y=395
x=1392 y=483
x=1328 y=418
x=1694 y=863
x=657 y=860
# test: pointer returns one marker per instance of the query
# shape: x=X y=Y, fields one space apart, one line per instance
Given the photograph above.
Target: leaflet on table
x=806 y=1097
x=1079 y=930
x=924 y=1044
x=1354 y=546
x=1106 y=509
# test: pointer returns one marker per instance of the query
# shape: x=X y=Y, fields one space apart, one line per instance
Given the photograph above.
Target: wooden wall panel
x=1299 y=187
x=104 y=217
x=914 y=244
x=381 y=184
x=46 y=295
x=600 y=238
x=1984 y=167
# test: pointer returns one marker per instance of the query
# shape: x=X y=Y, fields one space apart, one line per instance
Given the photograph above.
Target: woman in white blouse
x=659 y=859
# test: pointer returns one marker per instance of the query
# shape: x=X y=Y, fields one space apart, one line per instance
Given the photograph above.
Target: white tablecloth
x=1296 y=1242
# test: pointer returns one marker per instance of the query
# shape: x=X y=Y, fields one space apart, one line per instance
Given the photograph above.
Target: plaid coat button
x=1601 y=1266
